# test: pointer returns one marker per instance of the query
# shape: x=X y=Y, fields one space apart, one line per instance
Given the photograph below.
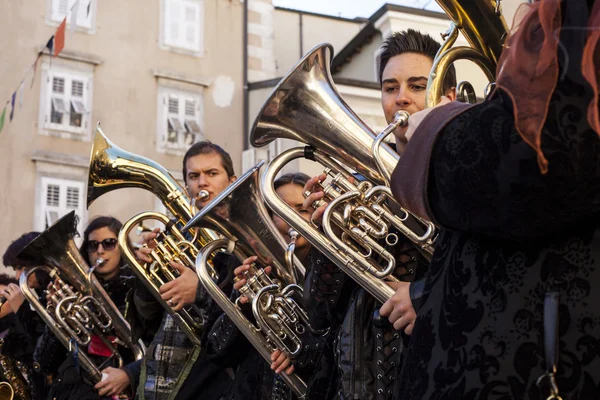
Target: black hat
x=10 y=258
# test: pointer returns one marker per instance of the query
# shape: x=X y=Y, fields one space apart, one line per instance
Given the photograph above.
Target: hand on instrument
x=13 y=296
x=143 y=253
x=115 y=382
x=181 y=291
x=51 y=288
x=240 y=275
x=398 y=309
x=313 y=185
x=415 y=119
x=281 y=362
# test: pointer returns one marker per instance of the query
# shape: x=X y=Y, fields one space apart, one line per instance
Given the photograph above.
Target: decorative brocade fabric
x=528 y=68
x=510 y=235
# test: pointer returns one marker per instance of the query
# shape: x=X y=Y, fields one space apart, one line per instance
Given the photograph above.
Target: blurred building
x=158 y=76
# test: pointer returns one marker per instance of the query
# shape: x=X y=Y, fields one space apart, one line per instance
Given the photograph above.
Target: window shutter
x=180 y=116
x=191 y=25
x=58 y=104
x=60 y=8
x=172 y=22
x=60 y=196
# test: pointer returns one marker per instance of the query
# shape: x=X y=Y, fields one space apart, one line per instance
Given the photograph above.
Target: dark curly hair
x=6 y=280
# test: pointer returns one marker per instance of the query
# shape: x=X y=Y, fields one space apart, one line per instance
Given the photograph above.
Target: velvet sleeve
x=484 y=178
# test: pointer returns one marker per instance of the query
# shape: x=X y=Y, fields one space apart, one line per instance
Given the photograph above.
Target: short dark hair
x=10 y=258
x=113 y=224
x=6 y=280
x=297 y=178
x=207 y=147
x=412 y=41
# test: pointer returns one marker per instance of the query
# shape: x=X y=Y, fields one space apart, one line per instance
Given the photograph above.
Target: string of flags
x=55 y=45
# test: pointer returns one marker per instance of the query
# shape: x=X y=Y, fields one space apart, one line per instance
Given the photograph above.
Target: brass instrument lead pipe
x=32 y=297
x=353 y=267
x=254 y=336
x=186 y=321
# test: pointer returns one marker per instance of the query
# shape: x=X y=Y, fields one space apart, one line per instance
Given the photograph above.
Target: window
x=66 y=101
x=183 y=24
x=59 y=197
x=60 y=8
x=180 y=119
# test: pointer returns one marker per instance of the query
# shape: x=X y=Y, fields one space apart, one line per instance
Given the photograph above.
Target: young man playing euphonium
x=366 y=355
x=175 y=368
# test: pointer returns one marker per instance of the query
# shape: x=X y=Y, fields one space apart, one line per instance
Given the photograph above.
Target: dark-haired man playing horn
x=175 y=368
x=367 y=353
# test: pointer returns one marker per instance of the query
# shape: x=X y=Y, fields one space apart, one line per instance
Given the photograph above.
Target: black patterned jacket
x=364 y=356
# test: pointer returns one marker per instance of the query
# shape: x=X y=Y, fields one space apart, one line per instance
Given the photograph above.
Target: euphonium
x=6 y=391
x=305 y=106
x=114 y=168
x=14 y=372
x=483 y=26
x=239 y=214
x=78 y=306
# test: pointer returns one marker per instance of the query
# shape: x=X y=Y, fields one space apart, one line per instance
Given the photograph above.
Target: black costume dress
x=511 y=235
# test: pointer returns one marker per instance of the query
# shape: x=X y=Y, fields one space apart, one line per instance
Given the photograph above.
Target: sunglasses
x=107 y=244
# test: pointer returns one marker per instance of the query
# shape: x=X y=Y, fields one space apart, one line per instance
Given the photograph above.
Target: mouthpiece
x=203 y=195
x=99 y=261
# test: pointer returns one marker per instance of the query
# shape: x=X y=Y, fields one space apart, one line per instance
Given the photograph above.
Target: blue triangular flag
x=12 y=105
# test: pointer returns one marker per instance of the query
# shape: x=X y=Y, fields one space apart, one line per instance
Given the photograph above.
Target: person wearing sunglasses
x=100 y=249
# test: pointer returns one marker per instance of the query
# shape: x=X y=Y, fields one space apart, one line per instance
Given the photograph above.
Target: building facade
x=157 y=75
x=286 y=35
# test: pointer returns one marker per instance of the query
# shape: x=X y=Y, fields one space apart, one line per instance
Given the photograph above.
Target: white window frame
x=48 y=97
x=57 y=8
x=165 y=142
x=174 y=29
x=48 y=214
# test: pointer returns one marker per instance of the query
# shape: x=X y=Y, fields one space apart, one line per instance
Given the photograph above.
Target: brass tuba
x=6 y=391
x=114 y=168
x=240 y=215
x=305 y=106
x=16 y=385
x=78 y=307
x=484 y=27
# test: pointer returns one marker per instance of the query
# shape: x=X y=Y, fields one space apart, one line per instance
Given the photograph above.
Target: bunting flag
x=74 y=15
x=59 y=38
x=55 y=46
x=2 y=118
x=50 y=45
x=12 y=106
x=21 y=94
x=35 y=63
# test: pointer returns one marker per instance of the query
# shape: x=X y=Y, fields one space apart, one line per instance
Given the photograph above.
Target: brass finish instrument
x=305 y=106
x=16 y=386
x=78 y=307
x=482 y=24
x=240 y=215
x=6 y=391
x=114 y=168
x=171 y=245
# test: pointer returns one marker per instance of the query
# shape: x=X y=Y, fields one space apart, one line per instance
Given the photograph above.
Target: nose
x=202 y=182
x=403 y=97
x=100 y=249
